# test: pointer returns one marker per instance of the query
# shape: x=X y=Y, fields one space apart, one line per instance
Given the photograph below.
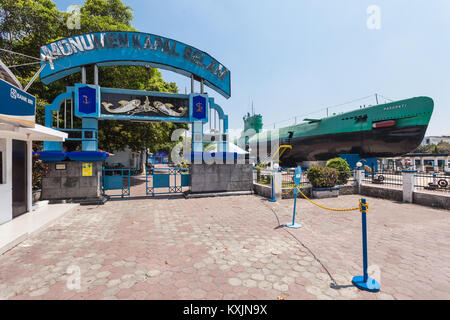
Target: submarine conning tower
x=253 y=122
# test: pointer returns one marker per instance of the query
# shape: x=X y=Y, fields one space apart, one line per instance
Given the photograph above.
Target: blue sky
x=293 y=57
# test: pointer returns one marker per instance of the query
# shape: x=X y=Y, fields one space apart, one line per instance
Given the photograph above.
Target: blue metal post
x=297 y=181
x=295 y=204
x=129 y=182
x=121 y=175
x=153 y=181
x=364 y=282
x=364 y=238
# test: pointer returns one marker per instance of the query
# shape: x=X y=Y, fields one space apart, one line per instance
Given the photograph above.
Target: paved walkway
x=231 y=248
x=17 y=230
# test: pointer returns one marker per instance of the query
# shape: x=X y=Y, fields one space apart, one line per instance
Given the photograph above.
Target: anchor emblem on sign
x=85 y=99
x=199 y=107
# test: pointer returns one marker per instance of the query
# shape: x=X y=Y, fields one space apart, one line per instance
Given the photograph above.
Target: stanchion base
x=370 y=285
x=293 y=225
x=272 y=200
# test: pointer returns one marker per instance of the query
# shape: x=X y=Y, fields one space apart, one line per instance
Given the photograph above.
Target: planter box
x=36 y=195
x=321 y=193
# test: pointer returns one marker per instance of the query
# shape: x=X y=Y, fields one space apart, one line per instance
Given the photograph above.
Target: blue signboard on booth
x=199 y=107
x=16 y=105
x=133 y=48
x=87 y=100
x=298 y=176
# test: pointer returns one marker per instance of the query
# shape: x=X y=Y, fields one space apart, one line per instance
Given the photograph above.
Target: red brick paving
x=232 y=248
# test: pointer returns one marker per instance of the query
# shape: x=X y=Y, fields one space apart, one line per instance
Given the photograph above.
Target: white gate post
x=359 y=176
x=277 y=185
x=408 y=178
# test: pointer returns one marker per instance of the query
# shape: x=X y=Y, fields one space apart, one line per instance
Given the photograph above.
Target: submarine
x=383 y=130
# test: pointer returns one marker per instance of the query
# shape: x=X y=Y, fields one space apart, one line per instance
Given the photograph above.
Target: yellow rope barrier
x=360 y=208
x=332 y=209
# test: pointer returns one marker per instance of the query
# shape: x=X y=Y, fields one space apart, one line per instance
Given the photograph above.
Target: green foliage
x=440 y=148
x=25 y=25
x=262 y=165
x=322 y=177
x=40 y=169
x=343 y=169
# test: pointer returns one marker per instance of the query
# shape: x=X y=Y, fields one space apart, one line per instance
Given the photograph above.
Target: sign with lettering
x=16 y=105
x=87 y=169
x=92 y=101
x=133 y=48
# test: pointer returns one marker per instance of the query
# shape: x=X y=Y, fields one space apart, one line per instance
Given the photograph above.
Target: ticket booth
x=17 y=132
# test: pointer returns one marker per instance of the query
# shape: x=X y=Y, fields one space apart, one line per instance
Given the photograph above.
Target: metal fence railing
x=432 y=182
x=116 y=179
x=263 y=177
x=390 y=179
x=287 y=178
x=352 y=179
x=423 y=182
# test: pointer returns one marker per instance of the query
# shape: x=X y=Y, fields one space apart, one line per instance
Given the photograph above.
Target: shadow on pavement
x=333 y=284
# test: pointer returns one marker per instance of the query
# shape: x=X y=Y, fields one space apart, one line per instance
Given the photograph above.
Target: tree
x=343 y=169
x=440 y=148
x=25 y=25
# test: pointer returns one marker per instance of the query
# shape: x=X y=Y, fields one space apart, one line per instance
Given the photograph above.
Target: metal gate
x=116 y=179
x=167 y=180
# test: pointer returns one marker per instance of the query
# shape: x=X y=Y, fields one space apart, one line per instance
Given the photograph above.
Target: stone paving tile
x=231 y=248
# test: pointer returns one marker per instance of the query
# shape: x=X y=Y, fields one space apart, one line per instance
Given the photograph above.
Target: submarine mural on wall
x=384 y=130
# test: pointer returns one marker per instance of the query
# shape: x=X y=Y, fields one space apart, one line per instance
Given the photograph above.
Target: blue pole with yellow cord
x=364 y=282
x=297 y=181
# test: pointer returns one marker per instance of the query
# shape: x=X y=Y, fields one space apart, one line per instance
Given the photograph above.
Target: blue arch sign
x=133 y=48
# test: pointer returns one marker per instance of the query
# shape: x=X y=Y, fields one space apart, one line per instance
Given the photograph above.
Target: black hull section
x=386 y=142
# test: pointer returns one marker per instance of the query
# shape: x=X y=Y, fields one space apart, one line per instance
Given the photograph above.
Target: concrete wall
x=265 y=191
x=69 y=183
x=348 y=189
x=221 y=177
x=306 y=190
x=432 y=200
x=384 y=193
x=262 y=190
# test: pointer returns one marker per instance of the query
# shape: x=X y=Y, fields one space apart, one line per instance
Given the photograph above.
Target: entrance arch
x=92 y=102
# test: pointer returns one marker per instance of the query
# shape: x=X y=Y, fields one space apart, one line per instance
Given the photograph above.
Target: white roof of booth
x=42 y=133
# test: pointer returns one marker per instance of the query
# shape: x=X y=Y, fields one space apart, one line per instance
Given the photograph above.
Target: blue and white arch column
x=223 y=144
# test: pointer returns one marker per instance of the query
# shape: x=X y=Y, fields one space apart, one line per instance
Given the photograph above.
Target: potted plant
x=343 y=170
x=40 y=169
x=323 y=181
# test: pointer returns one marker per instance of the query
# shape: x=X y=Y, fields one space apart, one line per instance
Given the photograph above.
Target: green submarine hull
x=384 y=130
